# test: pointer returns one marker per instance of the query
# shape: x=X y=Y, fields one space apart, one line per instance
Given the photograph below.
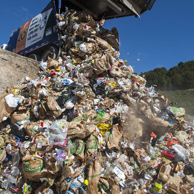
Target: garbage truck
x=39 y=37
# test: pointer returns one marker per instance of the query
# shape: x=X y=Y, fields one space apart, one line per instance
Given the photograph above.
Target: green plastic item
x=100 y=115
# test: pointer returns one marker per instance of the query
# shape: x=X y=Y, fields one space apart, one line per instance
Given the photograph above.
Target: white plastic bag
x=61 y=25
x=42 y=92
x=12 y=101
x=43 y=65
x=182 y=152
x=58 y=130
x=83 y=48
x=69 y=105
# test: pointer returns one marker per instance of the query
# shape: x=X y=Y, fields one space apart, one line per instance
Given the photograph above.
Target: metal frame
x=83 y=8
x=132 y=6
x=114 y=7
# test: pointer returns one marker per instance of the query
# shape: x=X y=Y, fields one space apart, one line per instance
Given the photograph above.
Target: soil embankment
x=14 y=67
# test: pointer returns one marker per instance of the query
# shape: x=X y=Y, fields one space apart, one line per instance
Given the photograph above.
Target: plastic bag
x=69 y=105
x=189 y=169
x=12 y=101
x=83 y=48
x=58 y=130
x=104 y=127
x=98 y=87
x=60 y=155
x=18 y=130
x=61 y=25
x=66 y=96
x=43 y=65
x=182 y=152
x=167 y=115
x=69 y=113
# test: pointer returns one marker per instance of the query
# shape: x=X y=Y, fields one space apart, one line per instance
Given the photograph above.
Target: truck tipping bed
x=109 y=9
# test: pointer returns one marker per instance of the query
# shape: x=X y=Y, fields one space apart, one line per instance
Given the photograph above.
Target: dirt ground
x=14 y=67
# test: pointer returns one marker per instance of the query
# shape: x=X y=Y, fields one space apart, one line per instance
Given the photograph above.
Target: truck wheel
x=34 y=56
x=50 y=52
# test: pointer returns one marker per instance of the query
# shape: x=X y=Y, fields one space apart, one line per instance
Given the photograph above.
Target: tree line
x=178 y=77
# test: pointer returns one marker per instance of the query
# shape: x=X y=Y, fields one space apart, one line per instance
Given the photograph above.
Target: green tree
x=178 y=77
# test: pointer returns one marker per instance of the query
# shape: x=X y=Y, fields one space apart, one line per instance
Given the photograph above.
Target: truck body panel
x=36 y=33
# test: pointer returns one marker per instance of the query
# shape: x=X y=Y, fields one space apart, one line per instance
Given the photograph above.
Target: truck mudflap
x=109 y=9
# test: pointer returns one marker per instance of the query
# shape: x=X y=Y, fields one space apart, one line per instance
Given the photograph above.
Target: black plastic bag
x=167 y=115
x=19 y=131
x=189 y=169
x=98 y=88
x=66 y=96
x=116 y=120
x=70 y=114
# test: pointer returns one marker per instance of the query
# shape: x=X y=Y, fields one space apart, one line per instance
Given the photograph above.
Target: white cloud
x=24 y=9
x=119 y=44
x=23 y=14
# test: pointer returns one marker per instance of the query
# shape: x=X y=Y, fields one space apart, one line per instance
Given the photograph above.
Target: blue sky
x=162 y=37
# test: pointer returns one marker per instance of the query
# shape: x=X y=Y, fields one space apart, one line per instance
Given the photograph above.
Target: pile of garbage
x=88 y=124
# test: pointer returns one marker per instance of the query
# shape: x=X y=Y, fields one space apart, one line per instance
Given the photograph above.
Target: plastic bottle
x=9 y=149
x=39 y=143
x=119 y=173
x=109 y=169
x=15 y=171
x=11 y=178
x=4 y=184
x=16 y=158
x=15 y=155
x=152 y=151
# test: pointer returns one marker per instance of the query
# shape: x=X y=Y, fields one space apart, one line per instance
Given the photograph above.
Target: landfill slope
x=14 y=67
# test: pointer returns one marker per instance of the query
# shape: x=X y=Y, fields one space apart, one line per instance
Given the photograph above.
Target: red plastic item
x=52 y=72
x=153 y=134
x=171 y=142
x=168 y=155
x=41 y=124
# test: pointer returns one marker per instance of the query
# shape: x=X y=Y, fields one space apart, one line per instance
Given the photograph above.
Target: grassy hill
x=181 y=98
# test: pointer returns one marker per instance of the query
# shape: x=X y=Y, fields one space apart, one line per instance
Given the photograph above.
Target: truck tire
x=51 y=52
x=34 y=56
